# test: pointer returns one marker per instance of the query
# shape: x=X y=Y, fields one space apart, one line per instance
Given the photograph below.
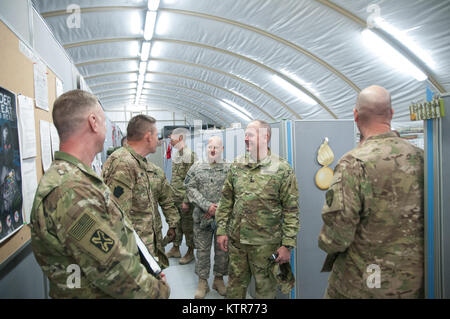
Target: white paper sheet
x=41 y=85
x=27 y=127
x=29 y=186
x=46 y=147
x=59 y=87
x=55 y=139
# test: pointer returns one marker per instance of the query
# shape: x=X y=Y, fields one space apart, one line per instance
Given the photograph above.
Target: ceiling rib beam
x=195 y=65
x=168 y=98
x=177 y=106
x=266 y=34
x=388 y=38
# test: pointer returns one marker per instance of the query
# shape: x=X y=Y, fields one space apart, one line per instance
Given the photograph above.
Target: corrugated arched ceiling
x=230 y=61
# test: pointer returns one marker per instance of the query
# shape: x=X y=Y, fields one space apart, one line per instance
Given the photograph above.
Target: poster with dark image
x=11 y=218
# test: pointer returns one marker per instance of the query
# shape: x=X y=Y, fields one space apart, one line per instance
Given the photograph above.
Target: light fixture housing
x=150 y=21
x=391 y=56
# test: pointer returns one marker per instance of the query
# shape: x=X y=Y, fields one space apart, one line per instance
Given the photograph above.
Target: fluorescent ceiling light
x=306 y=85
x=153 y=5
x=406 y=40
x=141 y=79
x=145 y=51
x=241 y=95
x=293 y=90
x=236 y=112
x=240 y=108
x=142 y=67
x=150 y=20
x=391 y=56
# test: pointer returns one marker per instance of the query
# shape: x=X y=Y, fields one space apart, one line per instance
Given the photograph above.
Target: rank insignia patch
x=118 y=191
x=102 y=241
x=329 y=196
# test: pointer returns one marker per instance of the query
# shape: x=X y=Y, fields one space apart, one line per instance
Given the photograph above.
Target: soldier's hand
x=163 y=277
x=184 y=207
x=223 y=242
x=211 y=210
x=284 y=255
x=171 y=234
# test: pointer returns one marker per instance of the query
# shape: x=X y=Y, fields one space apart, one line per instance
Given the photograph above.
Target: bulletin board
x=16 y=75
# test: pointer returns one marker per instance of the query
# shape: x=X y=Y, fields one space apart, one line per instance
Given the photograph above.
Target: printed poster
x=11 y=218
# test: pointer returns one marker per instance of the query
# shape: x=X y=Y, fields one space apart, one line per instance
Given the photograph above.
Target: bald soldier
x=373 y=214
x=75 y=221
x=182 y=161
x=130 y=177
x=204 y=182
x=258 y=215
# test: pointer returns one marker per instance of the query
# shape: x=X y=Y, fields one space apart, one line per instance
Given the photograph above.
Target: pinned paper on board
x=325 y=157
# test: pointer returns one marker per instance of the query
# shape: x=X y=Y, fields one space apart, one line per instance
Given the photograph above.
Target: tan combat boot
x=174 y=252
x=188 y=257
x=202 y=289
x=219 y=285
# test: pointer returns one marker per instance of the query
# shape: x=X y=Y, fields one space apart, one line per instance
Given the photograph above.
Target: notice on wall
x=27 y=126
x=11 y=218
x=41 y=85
x=55 y=139
x=29 y=188
x=59 y=87
x=46 y=144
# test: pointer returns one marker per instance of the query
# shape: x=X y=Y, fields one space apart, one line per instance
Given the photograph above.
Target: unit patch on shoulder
x=102 y=241
x=118 y=191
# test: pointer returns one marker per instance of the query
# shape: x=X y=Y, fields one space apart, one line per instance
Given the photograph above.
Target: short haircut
x=265 y=125
x=138 y=126
x=123 y=140
x=69 y=111
x=181 y=131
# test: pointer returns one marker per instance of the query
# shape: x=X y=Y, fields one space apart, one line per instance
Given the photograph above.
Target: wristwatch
x=289 y=247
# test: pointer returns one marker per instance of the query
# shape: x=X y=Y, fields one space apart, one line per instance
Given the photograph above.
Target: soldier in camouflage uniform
x=127 y=173
x=258 y=215
x=373 y=214
x=204 y=182
x=162 y=195
x=75 y=221
x=182 y=161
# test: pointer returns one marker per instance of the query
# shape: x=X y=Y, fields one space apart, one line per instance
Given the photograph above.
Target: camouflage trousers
x=186 y=227
x=202 y=240
x=248 y=260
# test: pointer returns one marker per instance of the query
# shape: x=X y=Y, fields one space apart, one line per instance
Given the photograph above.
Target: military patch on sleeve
x=81 y=228
x=118 y=191
x=102 y=241
x=329 y=197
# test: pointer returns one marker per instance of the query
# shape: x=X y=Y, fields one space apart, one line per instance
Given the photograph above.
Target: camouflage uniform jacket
x=162 y=195
x=259 y=203
x=181 y=163
x=374 y=215
x=204 y=183
x=128 y=176
x=76 y=221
